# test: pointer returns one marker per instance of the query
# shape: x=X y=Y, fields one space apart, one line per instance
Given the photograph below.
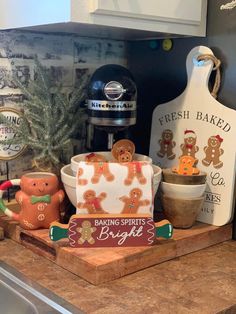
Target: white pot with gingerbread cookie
x=183 y=200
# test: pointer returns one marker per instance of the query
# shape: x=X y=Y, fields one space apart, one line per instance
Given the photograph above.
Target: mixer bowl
x=69 y=181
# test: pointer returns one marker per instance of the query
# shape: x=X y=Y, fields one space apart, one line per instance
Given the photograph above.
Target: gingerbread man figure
x=125 y=157
x=86 y=232
x=186 y=166
x=121 y=147
x=133 y=201
x=101 y=167
x=92 y=202
x=95 y=157
x=134 y=171
x=213 y=152
x=40 y=199
x=166 y=145
x=189 y=147
x=80 y=180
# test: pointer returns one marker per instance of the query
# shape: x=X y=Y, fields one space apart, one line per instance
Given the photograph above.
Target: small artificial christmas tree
x=49 y=119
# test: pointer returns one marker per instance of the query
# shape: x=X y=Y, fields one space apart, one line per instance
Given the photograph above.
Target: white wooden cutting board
x=210 y=123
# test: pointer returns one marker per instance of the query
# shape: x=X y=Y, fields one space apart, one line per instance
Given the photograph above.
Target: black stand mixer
x=112 y=97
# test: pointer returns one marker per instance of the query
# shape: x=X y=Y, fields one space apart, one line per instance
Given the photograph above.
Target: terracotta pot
x=182 y=213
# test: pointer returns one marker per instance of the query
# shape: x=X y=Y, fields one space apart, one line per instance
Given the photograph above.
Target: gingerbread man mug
x=39 y=199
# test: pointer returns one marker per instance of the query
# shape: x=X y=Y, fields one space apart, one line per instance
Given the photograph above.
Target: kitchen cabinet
x=118 y=19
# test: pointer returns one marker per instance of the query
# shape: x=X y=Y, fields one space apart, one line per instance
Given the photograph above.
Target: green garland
x=49 y=119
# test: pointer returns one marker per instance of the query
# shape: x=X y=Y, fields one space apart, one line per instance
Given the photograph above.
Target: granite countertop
x=201 y=282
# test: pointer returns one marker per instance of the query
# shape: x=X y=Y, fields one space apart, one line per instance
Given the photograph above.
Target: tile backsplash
x=67 y=56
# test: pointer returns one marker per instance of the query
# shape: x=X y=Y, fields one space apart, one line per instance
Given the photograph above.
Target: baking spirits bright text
x=106 y=233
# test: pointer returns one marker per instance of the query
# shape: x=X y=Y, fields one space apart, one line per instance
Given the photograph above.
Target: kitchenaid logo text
x=111 y=105
x=198 y=115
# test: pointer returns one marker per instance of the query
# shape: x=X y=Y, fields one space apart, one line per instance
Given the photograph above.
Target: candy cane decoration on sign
x=3 y=187
x=71 y=234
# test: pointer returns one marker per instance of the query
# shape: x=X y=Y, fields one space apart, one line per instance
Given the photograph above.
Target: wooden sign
x=110 y=230
x=196 y=124
x=10 y=151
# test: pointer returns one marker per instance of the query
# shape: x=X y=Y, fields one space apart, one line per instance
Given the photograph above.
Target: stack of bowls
x=68 y=173
x=182 y=197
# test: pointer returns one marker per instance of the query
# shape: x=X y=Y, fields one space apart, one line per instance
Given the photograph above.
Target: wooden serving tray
x=99 y=265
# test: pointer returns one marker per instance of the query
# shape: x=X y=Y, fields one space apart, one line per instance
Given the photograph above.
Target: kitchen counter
x=201 y=282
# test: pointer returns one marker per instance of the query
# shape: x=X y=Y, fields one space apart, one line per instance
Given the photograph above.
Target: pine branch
x=11 y=141
x=34 y=104
x=50 y=117
x=35 y=145
x=79 y=95
x=63 y=142
x=33 y=118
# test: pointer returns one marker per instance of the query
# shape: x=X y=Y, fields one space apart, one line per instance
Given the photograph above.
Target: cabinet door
x=181 y=11
x=23 y=13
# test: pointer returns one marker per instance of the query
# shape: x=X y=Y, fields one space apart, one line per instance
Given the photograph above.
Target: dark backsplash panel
x=161 y=75
x=67 y=56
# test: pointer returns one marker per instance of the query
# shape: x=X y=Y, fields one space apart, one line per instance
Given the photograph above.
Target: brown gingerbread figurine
x=186 y=166
x=133 y=201
x=39 y=198
x=101 y=167
x=213 y=152
x=121 y=147
x=95 y=157
x=92 y=202
x=125 y=157
x=166 y=145
x=86 y=232
x=81 y=181
x=189 y=147
x=134 y=171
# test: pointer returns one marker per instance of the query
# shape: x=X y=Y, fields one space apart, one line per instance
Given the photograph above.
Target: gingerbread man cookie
x=125 y=157
x=80 y=180
x=186 y=166
x=189 y=147
x=133 y=201
x=134 y=171
x=101 y=167
x=95 y=157
x=166 y=145
x=121 y=147
x=92 y=202
x=213 y=152
x=86 y=232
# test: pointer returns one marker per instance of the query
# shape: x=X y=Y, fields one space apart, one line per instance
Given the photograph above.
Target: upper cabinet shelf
x=118 y=19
